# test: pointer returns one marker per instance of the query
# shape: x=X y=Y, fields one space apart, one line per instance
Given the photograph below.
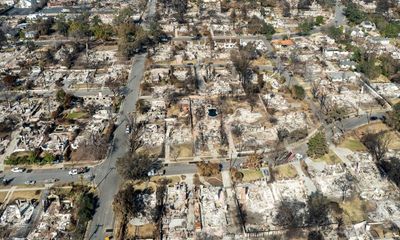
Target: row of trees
x=377 y=145
x=373 y=66
x=258 y=26
x=82 y=27
x=308 y=24
x=387 y=28
x=393 y=117
x=305 y=4
x=31 y=158
x=134 y=165
x=86 y=204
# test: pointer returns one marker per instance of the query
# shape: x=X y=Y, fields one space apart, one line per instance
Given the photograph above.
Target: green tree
x=358 y=54
x=155 y=31
x=43 y=26
x=298 y=92
x=317 y=146
x=391 y=30
x=48 y=158
x=393 y=117
x=86 y=207
x=369 y=67
x=61 y=25
x=319 y=20
x=61 y=96
x=306 y=26
x=268 y=30
x=382 y=6
x=102 y=32
x=318 y=209
x=354 y=14
x=3 y=38
x=80 y=27
x=389 y=66
x=96 y=21
x=335 y=32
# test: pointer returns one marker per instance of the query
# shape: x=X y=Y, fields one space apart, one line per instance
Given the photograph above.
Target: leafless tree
x=377 y=144
x=345 y=184
x=135 y=136
x=290 y=214
x=315 y=84
x=241 y=62
x=137 y=166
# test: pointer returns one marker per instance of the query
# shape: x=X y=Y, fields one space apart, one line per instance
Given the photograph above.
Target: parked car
x=30 y=182
x=17 y=170
x=373 y=118
x=196 y=37
x=299 y=156
x=6 y=181
x=83 y=170
x=127 y=129
x=52 y=180
x=73 y=172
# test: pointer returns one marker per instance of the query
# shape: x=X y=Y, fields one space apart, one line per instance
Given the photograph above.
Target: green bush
x=298 y=92
x=317 y=146
x=30 y=158
x=354 y=14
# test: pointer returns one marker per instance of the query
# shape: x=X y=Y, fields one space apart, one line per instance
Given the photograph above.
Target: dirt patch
x=181 y=151
x=353 y=144
x=376 y=127
x=356 y=210
x=215 y=181
x=2 y=197
x=31 y=194
x=141 y=232
x=170 y=180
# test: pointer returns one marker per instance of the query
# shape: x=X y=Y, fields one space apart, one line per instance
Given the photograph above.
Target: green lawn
x=76 y=115
x=353 y=144
x=330 y=158
x=250 y=175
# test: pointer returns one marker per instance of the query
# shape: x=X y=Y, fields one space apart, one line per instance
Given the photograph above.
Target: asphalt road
x=106 y=176
x=102 y=170
x=340 y=18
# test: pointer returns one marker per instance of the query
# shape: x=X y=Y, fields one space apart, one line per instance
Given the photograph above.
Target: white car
x=30 y=182
x=73 y=172
x=17 y=170
x=127 y=129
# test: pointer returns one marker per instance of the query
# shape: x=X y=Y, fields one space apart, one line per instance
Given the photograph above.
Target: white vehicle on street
x=73 y=172
x=127 y=129
x=299 y=156
x=30 y=182
x=17 y=170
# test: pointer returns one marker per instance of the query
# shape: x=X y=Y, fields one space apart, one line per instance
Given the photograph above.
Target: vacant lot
x=353 y=144
x=330 y=158
x=356 y=210
x=250 y=175
x=286 y=171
